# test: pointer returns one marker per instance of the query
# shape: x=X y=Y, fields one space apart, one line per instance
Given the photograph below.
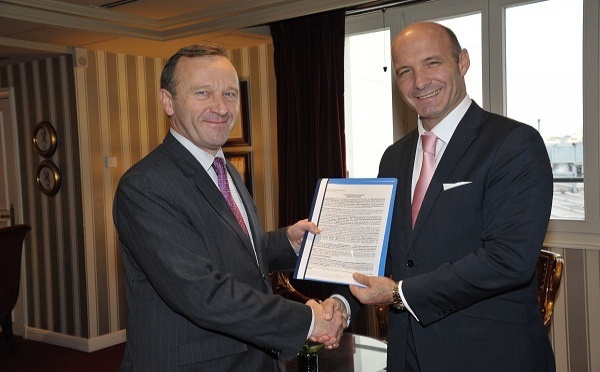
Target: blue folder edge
x=392 y=181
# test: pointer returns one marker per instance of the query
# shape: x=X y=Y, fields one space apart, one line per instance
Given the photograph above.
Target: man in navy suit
x=461 y=281
x=196 y=261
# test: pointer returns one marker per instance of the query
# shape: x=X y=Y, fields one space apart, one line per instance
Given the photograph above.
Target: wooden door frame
x=16 y=198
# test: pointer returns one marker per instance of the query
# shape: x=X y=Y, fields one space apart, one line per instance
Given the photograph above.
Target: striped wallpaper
x=55 y=267
x=575 y=329
x=74 y=293
x=119 y=116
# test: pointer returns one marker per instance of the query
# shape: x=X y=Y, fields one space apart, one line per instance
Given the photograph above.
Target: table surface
x=356 y=353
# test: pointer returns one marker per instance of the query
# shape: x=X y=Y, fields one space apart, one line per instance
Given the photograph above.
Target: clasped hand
x=331 y=318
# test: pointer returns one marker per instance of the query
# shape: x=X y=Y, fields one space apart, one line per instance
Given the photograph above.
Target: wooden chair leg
x=7 y=332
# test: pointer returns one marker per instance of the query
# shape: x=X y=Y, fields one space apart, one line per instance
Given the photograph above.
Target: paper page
x=354 y=216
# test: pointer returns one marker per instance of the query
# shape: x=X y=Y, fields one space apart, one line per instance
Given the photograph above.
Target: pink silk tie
x=427 y=169
x=219 y=167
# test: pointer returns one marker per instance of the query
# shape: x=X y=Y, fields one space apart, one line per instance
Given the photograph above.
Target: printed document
x=354 y=216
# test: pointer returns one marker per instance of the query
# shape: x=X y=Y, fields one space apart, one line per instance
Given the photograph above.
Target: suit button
x=410 y=263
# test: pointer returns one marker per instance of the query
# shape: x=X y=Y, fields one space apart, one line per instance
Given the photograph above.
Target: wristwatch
x=396 y=299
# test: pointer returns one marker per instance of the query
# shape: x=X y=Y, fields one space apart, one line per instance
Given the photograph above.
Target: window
x=544 y=89
x=468 y=31
x=368 y=101
x=534 y=61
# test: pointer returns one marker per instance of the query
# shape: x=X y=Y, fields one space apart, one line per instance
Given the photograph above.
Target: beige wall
x=119 y=116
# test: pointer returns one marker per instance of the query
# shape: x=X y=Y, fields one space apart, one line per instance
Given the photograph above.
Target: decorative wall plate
x=44 y=139
x=48 y=178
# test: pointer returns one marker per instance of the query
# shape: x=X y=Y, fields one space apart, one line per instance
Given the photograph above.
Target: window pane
x=468 y=32
x=544 y=89
x=368 y=101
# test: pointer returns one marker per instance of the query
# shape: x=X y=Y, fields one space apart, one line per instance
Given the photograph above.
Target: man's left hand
x=378 y=289
x=295 y=233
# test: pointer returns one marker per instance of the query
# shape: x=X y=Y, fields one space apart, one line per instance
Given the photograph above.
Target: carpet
x=33 y=356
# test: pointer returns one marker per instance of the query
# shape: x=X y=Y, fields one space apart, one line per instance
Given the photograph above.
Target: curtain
x=309 y=69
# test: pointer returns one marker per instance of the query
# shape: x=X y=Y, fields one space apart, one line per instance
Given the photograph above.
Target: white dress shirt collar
x=202 y=156
x=444 y=131
x=445 y=128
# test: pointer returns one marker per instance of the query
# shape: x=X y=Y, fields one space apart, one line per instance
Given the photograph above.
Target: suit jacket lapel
x=253 y=220
x=464 y=134
x=405 y=179
x=192 y=169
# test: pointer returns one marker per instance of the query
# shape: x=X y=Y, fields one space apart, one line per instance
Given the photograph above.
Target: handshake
x=331 y=318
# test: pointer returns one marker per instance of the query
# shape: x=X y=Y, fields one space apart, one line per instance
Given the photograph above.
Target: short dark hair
x=456 y=48
x=193 y=51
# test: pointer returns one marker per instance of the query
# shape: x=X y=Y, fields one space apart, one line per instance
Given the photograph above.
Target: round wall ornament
x=48 y=178
x=44 y=139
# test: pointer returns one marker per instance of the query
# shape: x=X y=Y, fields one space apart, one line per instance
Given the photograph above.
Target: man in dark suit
x=195 y=258
x=462 y=279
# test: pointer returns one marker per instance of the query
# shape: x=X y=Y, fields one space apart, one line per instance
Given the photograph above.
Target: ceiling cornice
x=233 y=16
x=47 y=11
x=32 y=45
x=258 y=16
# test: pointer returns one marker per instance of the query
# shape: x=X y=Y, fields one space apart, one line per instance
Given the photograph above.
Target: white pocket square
x=448 y=186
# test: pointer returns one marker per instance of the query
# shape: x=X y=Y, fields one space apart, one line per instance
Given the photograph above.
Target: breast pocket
x=458 y=206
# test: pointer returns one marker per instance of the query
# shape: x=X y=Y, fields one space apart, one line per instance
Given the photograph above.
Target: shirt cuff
x=312 y=324
x=297 y=251
x=404 y=301
x=343 y=299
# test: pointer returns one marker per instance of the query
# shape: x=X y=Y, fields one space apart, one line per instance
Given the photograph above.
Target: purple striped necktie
x=219 y=167
x=428 y=141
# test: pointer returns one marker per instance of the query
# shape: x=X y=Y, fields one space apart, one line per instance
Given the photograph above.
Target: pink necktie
x=219 y=167
x=427 y=169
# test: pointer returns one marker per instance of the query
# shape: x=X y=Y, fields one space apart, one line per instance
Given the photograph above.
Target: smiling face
x=429 y=77
x=205 y=103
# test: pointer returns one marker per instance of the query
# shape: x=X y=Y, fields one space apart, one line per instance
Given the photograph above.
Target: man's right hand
x=327 y=332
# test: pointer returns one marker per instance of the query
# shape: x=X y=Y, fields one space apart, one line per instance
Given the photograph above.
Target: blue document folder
x=354 y=215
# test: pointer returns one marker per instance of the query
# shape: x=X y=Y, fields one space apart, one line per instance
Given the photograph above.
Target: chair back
x=548 y=272
x=280 y=281
x=11 y=246
x=381 y=312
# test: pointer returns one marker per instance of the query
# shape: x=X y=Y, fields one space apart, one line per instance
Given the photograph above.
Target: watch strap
x=397 y=299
